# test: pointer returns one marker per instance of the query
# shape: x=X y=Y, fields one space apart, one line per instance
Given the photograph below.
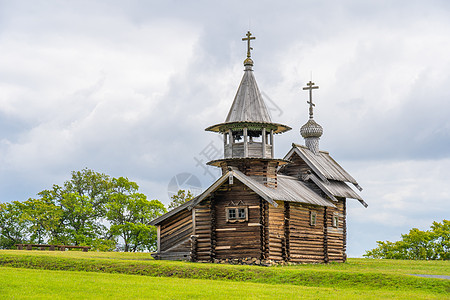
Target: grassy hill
x=73 y=273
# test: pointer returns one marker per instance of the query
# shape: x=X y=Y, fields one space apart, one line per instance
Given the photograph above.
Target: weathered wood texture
x=254 y=149
x=264 y=171
x=293 y=238
x=175 y=232
x=336 y=236
x=264 y=228
x=306 y=240
x=276 y=231
x=237 y=239
x=296 y=168
x=203 y=229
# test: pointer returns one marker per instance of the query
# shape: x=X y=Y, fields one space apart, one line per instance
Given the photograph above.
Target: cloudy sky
x=127 y=88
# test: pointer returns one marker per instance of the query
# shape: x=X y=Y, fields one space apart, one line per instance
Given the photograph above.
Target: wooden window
x=231 y=213
x=237 y=214
x=241 y=213
x=312 y=218
x=335 y=221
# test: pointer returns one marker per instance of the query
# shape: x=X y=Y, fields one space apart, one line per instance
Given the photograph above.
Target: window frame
x=335 y=221
x=312 y=218
x=236 y=213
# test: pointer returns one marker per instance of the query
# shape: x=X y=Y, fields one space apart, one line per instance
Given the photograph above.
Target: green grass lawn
x=17 y=283
x=72 y=273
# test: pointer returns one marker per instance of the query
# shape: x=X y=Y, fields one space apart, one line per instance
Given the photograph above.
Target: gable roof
x=248 y=104
x=289 y=189
x=171 y=213
x=335 y=188
x=323 y=165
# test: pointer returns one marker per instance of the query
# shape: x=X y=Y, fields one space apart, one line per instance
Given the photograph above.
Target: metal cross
x=248 y=38
x=310 y=86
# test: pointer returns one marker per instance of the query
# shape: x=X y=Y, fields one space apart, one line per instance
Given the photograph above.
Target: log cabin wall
x=264 y=171
x=175 y=232
x=276 y=231
x=306 y=241
x=202 y=229
x=297 y=167
x=336 y=243
x=236 y=239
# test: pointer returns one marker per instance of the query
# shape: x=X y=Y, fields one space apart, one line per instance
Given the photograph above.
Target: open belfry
x=263 y=210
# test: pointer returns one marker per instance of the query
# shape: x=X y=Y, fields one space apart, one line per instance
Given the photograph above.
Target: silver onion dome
x=311 y=130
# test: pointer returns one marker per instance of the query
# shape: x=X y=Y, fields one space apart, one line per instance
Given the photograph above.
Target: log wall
x=336 y=243
x=175 y=232
x=237 y=239
x=203 y=230
x=306 y=241
x=276 y=231
x=264 y=171
x=296 y=168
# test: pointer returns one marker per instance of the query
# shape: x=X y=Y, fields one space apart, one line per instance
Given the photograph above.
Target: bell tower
x=248 y=131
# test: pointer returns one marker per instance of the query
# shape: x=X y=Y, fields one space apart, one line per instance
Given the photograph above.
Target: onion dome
x=311 y=130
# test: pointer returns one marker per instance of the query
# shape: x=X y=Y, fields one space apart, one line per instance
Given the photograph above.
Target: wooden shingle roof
x=322 y=164
x=289 y=189
x=248 y=104
x=248 y=109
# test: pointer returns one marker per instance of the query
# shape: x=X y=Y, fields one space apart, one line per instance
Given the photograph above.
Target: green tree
x=180 y=198
x=93 y=186
x=82 y=200
x=41 y=216
x=12 y=225
x=417 y=244
x=441 y=238
x=129 y=213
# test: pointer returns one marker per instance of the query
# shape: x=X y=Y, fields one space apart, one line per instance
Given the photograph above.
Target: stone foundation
x=251 y=261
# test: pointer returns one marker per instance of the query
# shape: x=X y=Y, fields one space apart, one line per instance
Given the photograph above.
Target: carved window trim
x=312 y=218
x=240 y=214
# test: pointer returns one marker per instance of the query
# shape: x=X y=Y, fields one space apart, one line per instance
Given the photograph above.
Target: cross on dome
x=248 y=39
x=310 y=86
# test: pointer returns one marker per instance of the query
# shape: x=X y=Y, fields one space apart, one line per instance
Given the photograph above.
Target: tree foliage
x=12 y=226
x=91 y=209
x=432 y=244
x=181 y=197
x=129 y=213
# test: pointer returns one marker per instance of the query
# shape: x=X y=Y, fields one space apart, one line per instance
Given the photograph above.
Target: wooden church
x=263 y=209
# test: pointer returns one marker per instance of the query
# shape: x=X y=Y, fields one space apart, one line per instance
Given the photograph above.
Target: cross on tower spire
x=248 y=38
x=310 y=86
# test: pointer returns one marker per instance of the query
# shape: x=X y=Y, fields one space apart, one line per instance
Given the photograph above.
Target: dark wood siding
x=276 y=231
x=306 y=241
x=203 y=229
x=336 y=235
x=296 y=168
x=238 y=239
x=264 y=171
x=176 y=231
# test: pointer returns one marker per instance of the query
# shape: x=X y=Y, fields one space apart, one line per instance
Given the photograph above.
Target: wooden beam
x=271 y=144
x=193 y=221
x=263 y=142
x=158 y=238
x=245 y=142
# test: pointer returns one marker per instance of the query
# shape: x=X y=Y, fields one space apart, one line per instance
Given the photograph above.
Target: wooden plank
x=225 y=229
